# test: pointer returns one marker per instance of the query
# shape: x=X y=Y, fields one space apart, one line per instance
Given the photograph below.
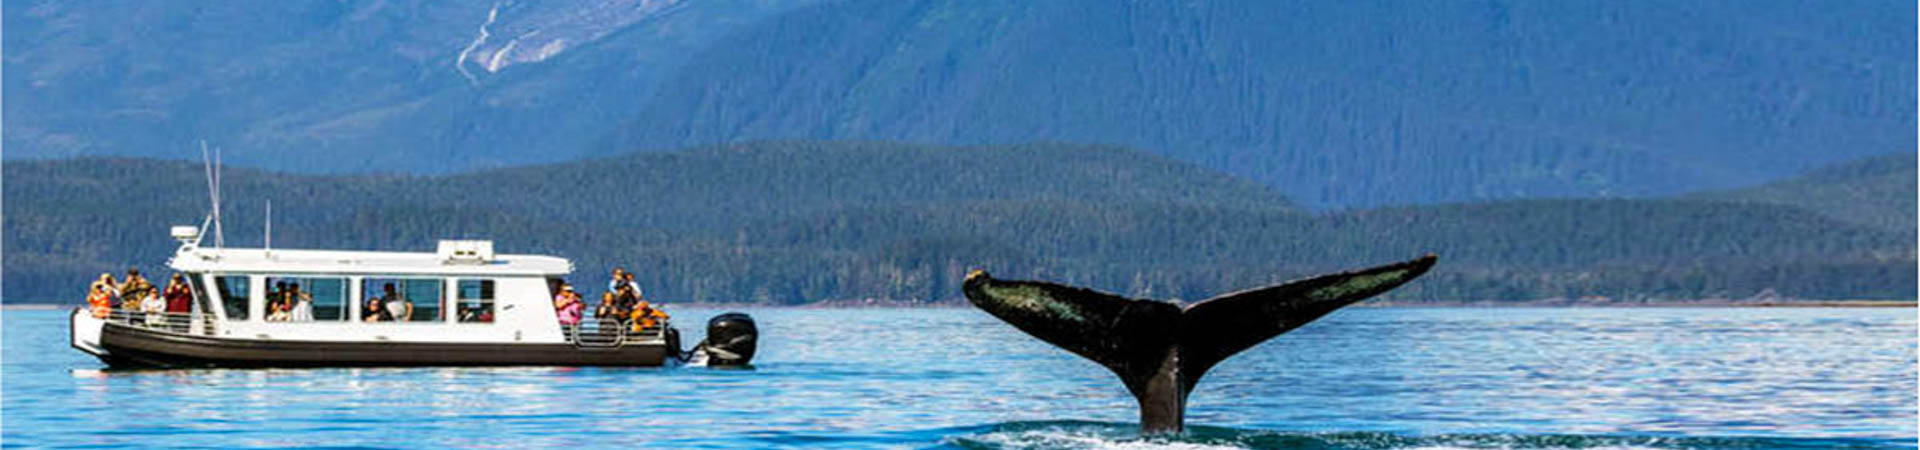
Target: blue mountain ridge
x=1338 y=105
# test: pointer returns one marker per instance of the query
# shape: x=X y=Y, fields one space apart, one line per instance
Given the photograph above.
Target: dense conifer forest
x=807 y=222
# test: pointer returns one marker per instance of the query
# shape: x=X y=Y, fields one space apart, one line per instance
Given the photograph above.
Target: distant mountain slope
x=796 y=222
x=321 y=86
x=1877 y=191
x=1338 y=104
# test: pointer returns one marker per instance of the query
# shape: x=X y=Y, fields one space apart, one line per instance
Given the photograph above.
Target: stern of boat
x=84 y=332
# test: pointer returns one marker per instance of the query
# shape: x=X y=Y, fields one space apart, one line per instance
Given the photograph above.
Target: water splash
x=1100 y=435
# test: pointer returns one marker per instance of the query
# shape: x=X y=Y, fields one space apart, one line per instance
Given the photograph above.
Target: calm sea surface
x=1361 y=378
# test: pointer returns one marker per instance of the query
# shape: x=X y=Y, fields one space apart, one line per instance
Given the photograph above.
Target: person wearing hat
x=134 y=290
x=567 y=305
x=100 y=296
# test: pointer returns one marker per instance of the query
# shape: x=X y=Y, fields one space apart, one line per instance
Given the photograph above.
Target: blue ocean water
x=957 y=378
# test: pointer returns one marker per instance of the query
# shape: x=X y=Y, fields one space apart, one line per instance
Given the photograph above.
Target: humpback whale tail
x=1160 y=349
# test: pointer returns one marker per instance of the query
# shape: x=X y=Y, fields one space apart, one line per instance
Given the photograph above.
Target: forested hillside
x=801 y=222
x=1877 y=191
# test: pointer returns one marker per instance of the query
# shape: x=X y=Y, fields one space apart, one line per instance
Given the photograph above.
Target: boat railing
x=167 y=322
x=613 y=333
x=599 y=333
x=660 y=326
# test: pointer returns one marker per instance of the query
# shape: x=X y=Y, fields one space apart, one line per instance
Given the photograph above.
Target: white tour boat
x=468 y=306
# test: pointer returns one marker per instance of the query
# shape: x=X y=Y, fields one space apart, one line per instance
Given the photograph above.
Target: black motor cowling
x=731 y=339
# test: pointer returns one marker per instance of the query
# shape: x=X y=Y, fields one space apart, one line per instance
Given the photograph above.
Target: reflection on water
x=1365 y=378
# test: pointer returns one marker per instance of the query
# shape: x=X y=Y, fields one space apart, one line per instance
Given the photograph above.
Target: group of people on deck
x=136 y=294
x=624 y=304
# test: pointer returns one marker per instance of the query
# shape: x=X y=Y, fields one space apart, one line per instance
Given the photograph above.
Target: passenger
x=567 y=306
x=611 y=315
x=627 y=294
x=155 y=309
x=179 y=296
x=100 y=296
x=134 y=290
x=613 y=280
x=646 y=317
x=399 y=309
x=179 y=299
x=272 y=299
x=604 y=318
x=628 y=283
x=113 y=287
x=277 y=310
x=377 y=310
x=618 y=295
x=474 y=311
x=625 y=300
x=302 y=309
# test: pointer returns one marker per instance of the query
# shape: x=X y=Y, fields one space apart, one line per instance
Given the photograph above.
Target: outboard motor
x=730 y=342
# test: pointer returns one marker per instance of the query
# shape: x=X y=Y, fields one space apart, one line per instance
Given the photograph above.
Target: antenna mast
x=212 y=160
x=269 y=227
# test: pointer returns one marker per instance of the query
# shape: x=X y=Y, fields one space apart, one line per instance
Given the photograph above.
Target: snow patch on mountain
x=460 y=62
x=544 y=30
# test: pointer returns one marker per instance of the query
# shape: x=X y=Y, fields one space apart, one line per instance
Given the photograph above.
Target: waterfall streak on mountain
x=460 y=62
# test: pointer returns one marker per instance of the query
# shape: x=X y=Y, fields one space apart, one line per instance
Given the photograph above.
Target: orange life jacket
x=100 y=303
x=644 y=316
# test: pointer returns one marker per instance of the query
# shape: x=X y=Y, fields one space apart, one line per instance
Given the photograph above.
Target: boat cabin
x=462 y=293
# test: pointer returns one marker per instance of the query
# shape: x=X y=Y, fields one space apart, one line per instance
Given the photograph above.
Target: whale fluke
x=1160 y=349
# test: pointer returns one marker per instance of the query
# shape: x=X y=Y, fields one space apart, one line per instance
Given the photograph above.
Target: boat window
x=233 y=295
x=403 y=299
x=325 y=298
x=476 y=301
x=202 y=304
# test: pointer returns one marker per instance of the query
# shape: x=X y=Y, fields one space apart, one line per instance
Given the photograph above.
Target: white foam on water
x=1520 y=447
x=1066 y=439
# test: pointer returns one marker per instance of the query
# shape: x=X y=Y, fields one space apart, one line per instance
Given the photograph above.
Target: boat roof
x=352 y=262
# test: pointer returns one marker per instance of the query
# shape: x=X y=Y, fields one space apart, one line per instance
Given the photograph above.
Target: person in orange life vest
x=100 y=296
x=645 y=316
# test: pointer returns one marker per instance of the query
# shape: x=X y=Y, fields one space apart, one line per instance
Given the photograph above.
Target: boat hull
x=134 y=346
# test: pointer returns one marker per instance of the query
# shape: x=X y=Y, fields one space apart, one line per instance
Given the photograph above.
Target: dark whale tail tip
x=1161 y=349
